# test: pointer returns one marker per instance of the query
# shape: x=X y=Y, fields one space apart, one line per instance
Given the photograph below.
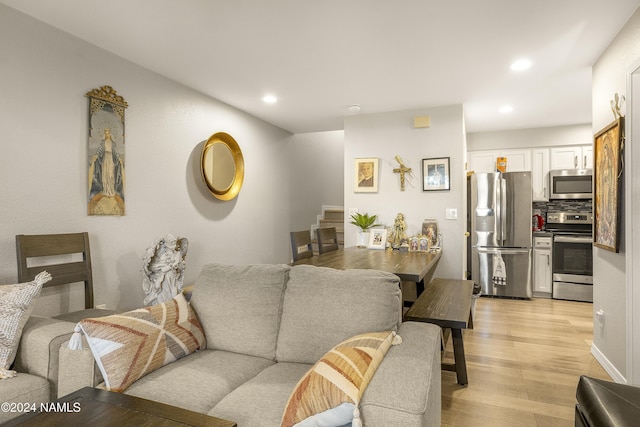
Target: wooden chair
x=327 y=239
x=301 y=245
x=68 y=269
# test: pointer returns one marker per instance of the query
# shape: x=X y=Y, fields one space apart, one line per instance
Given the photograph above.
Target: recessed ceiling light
x=521 y=64
x=270 y=99
x=506 y=109
x=354 y=108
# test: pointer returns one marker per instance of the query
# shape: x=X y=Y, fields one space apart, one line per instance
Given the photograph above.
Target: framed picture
x=607 y=173
x=414 y=243
x=430 y=231
x=435 y=174
x=106 y=152
x=365 y=175
x=378 y=238
x=423 y=245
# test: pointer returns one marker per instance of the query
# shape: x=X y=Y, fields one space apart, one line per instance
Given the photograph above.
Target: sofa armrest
x=78 y=369
x=38 y=350
x=406 y=388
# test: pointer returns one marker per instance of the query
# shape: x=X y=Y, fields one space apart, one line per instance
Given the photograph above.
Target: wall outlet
x=600 y=317
x=101 y=306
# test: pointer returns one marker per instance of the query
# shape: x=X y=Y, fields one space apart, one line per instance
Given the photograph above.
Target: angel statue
x=399 y=234
x=163 y=269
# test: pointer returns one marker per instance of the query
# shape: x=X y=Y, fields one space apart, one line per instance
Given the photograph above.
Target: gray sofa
x=266 y=325
x=36 y=364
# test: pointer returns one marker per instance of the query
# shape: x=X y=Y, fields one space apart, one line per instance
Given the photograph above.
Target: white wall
x=386 y=135
x=44 y=76
x=317 y=177
x=531 y=138
x=609 y=270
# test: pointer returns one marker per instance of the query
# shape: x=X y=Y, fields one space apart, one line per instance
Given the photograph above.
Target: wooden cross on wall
x=402 y=170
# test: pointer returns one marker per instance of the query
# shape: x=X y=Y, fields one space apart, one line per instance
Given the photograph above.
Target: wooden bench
x=447 y=303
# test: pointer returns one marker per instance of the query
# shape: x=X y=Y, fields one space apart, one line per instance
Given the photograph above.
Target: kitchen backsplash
x=563 y=206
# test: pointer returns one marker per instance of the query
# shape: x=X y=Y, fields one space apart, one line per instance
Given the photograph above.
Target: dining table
x=411 y=266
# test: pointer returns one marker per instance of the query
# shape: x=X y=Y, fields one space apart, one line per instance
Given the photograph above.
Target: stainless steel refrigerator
x=500 y=214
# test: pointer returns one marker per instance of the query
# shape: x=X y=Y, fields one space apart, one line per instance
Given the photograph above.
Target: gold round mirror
x=222 y=166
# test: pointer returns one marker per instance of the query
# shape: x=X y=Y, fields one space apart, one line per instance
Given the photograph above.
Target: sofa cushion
x=201 y=380
x=330 y=392
x=130 y=345
x=39 y=348
x=15 y=307
x=323 y=307
x=240 y=306
x=413 y=371
x=22 y=389
x=266 y=395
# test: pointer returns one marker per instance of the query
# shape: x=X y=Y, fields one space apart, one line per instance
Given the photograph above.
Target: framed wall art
x=106 y=152
x=607 y=171
x=365 y=175
x=435 y=174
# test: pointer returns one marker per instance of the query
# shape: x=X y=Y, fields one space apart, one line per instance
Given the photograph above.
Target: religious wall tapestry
x=106 y=152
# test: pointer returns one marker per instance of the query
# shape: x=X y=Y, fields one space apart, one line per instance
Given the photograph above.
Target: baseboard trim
x=607 y=366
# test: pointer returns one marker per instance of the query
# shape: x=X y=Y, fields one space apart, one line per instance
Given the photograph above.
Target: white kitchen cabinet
x=484 y=161
x=518 y=160
x=572 y=157
x=540 y=174
x=587 y=155
x=542 y=275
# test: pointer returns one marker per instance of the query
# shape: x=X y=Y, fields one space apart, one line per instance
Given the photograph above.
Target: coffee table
x=96 y=408
x=447 y=303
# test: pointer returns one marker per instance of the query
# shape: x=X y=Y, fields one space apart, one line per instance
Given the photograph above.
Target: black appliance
x=572 y=264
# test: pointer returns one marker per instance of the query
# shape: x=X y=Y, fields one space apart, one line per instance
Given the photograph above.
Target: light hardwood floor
x=524 y=359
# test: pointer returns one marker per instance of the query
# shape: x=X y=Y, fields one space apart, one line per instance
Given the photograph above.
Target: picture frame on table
x=365 y=174
x=607 y=176
x=423 y=244
x=377 y=238
x=436 y=174
x=430 y=232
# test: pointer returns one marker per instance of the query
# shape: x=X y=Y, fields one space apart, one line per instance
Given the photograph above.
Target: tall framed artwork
x=365 y=175
x=607 y=171
x=106 y=152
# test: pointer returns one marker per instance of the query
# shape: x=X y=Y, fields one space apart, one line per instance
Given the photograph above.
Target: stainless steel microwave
x=571 y=184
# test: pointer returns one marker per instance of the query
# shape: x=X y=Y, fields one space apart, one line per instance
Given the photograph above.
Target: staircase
x=332 y=216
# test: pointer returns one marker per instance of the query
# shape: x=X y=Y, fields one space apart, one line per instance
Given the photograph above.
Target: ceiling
x=320 y=57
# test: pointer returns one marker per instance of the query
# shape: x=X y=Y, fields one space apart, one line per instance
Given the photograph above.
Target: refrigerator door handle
x=498 y=207
x=503 y=251
x=503 y=204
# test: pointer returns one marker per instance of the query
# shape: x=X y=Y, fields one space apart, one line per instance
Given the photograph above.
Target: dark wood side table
x=96 y=408
x=447 y=303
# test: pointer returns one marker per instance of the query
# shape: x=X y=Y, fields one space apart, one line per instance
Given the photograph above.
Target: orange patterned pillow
x=130 y=345
x=330 y=391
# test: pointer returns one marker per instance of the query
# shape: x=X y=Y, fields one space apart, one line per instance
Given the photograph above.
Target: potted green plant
x=364 y=222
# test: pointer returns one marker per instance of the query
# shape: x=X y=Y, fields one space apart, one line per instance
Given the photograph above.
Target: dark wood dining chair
x=327 y=238
x=69 y=258
x=301 y=245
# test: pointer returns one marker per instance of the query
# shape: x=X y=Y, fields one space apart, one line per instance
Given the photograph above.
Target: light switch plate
x=353 y=211
x=451 y=213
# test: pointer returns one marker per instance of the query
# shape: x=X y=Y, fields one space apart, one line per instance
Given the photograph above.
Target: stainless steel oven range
x=572 y=265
